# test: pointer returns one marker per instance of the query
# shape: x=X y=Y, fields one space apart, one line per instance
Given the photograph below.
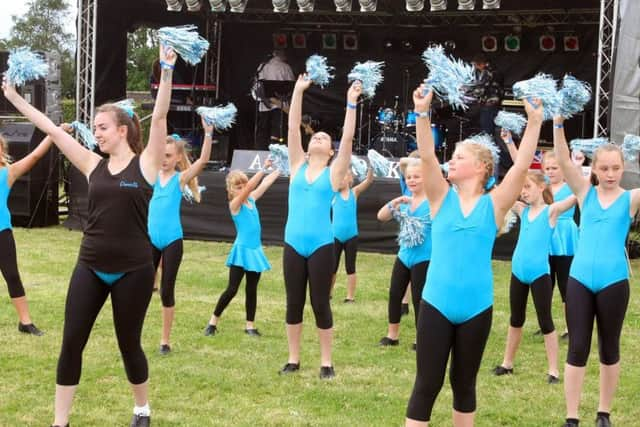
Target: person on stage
x=344 y=220
x=115 y=256
x=308 y=237
x=412 y=262
x=271 y=110
x=247 y=258
x=176 y=176
x=456 y=307
x=598 y=285
x=9 y=173
x=539 y=217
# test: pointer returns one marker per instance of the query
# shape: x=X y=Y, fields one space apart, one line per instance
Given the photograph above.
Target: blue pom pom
x=127 y=105
x=630 y=147
x=279 y=155
x=220 y=117
x=513 y=122
x=588 y=146
x=541 y=86
x=412 y=228
x=381 y=165
x=487 y=142
x=510 y=219
x=185 y=41
x=359 y=168
x=85 y=135
x=188 y=194
x=24 y=65
x=369 y=74
x=318 y=70
x=573 y=96
x=449 y=78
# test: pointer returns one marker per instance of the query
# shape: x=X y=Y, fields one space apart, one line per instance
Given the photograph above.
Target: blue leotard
x=164 y=213
x=345 y=217
x=460 y=277
x=309 y=218
x=247 y=251
x=108 y=278
x=417 y=254
x=600 y=260
x=5 y=215
x=531 y=257
x=565 y=236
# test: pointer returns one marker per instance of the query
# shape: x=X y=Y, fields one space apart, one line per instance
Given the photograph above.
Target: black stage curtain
x=210 y=220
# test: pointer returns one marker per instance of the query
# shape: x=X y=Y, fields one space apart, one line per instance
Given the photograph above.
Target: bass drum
x=393 y=144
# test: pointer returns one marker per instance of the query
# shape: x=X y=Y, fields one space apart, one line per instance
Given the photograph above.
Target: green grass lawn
x=232 y=379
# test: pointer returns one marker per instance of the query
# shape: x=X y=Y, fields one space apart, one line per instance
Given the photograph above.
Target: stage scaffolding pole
x=85 y=60
x=604 y=73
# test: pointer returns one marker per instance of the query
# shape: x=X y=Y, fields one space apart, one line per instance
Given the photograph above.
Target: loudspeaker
x=220 y=148
x=33 y=200
x=34 y=92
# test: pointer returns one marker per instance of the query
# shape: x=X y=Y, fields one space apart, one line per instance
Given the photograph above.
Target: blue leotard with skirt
x=565 y=236
x=164 y=213
x=460 y=277
x=247 y=251
x=531 y=257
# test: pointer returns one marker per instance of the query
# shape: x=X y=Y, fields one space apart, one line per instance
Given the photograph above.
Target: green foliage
x=68 y=110
x=142 y=50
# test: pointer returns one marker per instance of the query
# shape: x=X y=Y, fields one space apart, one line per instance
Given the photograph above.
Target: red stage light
x=571 y=44
x=350 y=42
x=280 y=41
x=299 y=41
x=547 y=43
x=489 y=44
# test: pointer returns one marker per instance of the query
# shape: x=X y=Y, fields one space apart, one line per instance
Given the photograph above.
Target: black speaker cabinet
x=220 y=148
x=33 y=200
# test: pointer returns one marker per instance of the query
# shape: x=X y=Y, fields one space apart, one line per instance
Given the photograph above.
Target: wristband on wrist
x=423 y=114
x=351 y=106
x=558 y=126
x=166 y=66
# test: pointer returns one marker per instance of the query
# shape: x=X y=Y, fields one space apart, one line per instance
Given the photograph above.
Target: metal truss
x=85 y=60
x=604 y=77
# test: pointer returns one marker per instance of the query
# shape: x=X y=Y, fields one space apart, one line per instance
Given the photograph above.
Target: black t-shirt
x=116 y=239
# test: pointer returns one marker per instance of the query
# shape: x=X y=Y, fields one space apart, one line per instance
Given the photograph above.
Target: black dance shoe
x=140 y=421
x=552 y=379
x=252 y=332
x=30 y=329
x=165 y=349
x=289 y=368
x=602 y=421
x=387 y=342
x=327 y=372
x=210 y=330
x=501 y=370
x=349 y=301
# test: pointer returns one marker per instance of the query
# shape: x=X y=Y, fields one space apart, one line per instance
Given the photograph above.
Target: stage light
x=217 y=5
x=489 y=44
x=280 y=6
x=407 y=45
x=450 y=45
x=329 y=41
x=571 y=44
x=350 y=42
x=491 y=4
x=305 y=6
x=368 y=5
x=279 y=41
x=437 y=5
x=237 y=6
x=299 y=41
x=415 y=5
x=547 y=43
x=174 y=5
x=512 y=43
x=193 y=5
x=387 y=44
x=466 y=4
x=343 y=5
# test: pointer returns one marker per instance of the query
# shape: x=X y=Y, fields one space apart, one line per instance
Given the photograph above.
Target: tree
x=142 y=50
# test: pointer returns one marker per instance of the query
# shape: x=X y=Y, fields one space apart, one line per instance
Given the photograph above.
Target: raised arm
x=294 y=143
x=79 y=156
x=362 y=187
x=24 y=165
x=205 y=154
x=507 y=138
x=151 y=158
x=265 y=184
x=385 y=214
x=341 y=164
x=243 y=195
x=434 y=183
x=505 y=194
x=572 y=174
x=558 y=208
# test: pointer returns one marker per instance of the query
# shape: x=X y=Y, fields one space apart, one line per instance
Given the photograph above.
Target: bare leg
x=326 y=339
x=393 y=331
x=463 y=419
x=64 y=400
x=408 y=422
x=167 y=321
x=609 y=375
x=294 y=333
x=514 y=336
x=551 y=347
x=573 y=380
x=22 y=308
x=352 y=280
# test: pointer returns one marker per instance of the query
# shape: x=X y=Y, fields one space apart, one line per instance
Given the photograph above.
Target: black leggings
x=130 y=297
x=9 y=264
x=541 y=291
x=437 y=336
x=251 y=293
x=560 y=266
x=608 y=307
x=171 y=258
x=316 y=270
x=350 y=248
x=400 y=278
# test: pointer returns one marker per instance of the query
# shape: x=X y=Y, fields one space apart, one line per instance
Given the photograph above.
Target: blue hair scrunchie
x=547 y=181
x=175 y=136
x=490 y=183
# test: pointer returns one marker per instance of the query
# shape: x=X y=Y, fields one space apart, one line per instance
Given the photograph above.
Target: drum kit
x=396 y=135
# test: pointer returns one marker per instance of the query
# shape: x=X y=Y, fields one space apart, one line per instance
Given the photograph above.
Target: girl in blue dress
x=247 y=256
x=177 y=175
